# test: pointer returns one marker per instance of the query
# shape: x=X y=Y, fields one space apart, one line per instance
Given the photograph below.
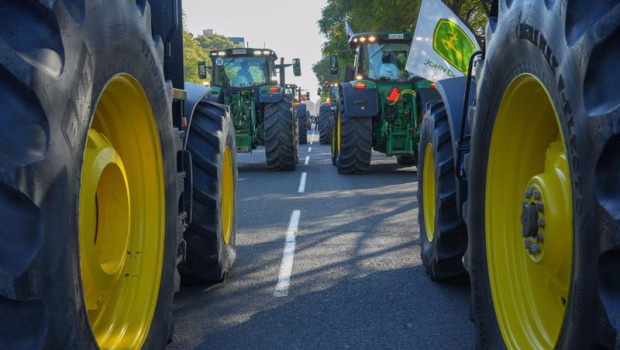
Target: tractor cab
x=243 y=68
x=381 y=56
x=290 y=89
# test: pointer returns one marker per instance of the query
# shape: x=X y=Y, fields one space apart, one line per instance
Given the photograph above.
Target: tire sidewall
x=94 y=55
x=508 y=57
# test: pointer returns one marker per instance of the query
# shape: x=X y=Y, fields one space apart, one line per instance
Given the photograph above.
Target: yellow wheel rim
x=121 y=216
x=228 y=195
x=428 y=192
x=338 y=133
x=528 y=216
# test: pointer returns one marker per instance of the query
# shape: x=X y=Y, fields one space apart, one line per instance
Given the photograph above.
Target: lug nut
x=536 y=194
x=540 y=206
x=541 y=222
x=535 y=248
x=528 y=244
x=528 y=192
x=540 y=237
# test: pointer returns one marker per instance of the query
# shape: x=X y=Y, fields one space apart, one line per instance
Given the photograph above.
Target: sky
x=289 y=27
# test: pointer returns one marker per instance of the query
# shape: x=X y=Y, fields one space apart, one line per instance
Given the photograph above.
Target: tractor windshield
x=240 y=71
x=386 y=61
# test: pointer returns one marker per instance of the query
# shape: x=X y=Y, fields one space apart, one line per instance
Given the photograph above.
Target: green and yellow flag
x=442 y=44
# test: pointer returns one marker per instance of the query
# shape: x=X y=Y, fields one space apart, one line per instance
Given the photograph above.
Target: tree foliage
x=192 y=54
x=385 y=15
x=214 y=42
x=197 y=49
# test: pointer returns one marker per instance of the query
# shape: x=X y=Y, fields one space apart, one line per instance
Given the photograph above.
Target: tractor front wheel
x=543 y=190
x=211 y=235
x=443 y=236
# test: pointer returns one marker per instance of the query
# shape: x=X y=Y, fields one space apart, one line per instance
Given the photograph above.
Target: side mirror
x=333 y=65
x=296 y=67
x=318 y=92
x=202 y=70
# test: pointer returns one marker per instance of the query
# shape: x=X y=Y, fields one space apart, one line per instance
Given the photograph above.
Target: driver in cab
x=244 y=73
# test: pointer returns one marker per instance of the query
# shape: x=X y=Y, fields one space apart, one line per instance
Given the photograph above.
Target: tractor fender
x=359 y=102
x=266 y=96
x=452 y=92
x=195 y=93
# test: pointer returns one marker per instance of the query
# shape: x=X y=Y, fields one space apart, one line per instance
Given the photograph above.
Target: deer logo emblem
x=453 y=44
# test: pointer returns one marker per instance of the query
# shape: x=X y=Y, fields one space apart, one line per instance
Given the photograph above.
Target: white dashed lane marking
x=288 y=256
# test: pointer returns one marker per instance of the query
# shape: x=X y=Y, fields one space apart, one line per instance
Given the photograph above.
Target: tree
x=192 y=54
x=214 y=42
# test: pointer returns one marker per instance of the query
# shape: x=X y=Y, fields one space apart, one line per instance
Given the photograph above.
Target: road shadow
x=370 y=312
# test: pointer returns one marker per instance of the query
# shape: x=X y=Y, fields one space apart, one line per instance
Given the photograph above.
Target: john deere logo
x=453 y=44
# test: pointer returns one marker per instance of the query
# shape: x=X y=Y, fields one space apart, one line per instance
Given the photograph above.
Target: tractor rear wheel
x=543 y=220
x=325 y=129
x=88 y=187
x=281 y=145
x=302 y=131
x=406 y=159
x=210 y=237
x=443 y=235
x=355 y=144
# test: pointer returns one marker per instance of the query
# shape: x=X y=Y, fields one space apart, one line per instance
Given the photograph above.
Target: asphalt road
x=356 y=282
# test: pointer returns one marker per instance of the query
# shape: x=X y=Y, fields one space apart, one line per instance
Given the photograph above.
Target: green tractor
x=300 y=110
x=377 y=103
x=245 y=80
x=326 y=112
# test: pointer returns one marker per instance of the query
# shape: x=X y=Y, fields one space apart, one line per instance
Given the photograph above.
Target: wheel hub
x=533 y=221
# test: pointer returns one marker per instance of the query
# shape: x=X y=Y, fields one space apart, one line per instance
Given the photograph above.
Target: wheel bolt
x=540 y=206
x=541 y=222
x=528 y=244
x=536 y=194
x=535 y=249
x=540 y=237
x=528 y=192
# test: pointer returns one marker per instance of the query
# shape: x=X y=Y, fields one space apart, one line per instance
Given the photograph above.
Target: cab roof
x=364 y=38
x=244 y=52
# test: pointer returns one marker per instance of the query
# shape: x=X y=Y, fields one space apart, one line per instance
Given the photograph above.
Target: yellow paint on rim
x=339 y=130
x=121 y=216
x=428 y=192
x=228 y=196
x=530 y=289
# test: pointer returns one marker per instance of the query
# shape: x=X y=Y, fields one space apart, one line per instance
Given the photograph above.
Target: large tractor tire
x=210 y=237
x=543 y=216
x=88 y=179
x=281 y=144
x=406 y=159
x=443 y=235
x=355 y=143
x=302 y=131
x=325 y=130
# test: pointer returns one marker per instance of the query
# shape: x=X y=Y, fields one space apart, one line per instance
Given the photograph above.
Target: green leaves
x=197 y=49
